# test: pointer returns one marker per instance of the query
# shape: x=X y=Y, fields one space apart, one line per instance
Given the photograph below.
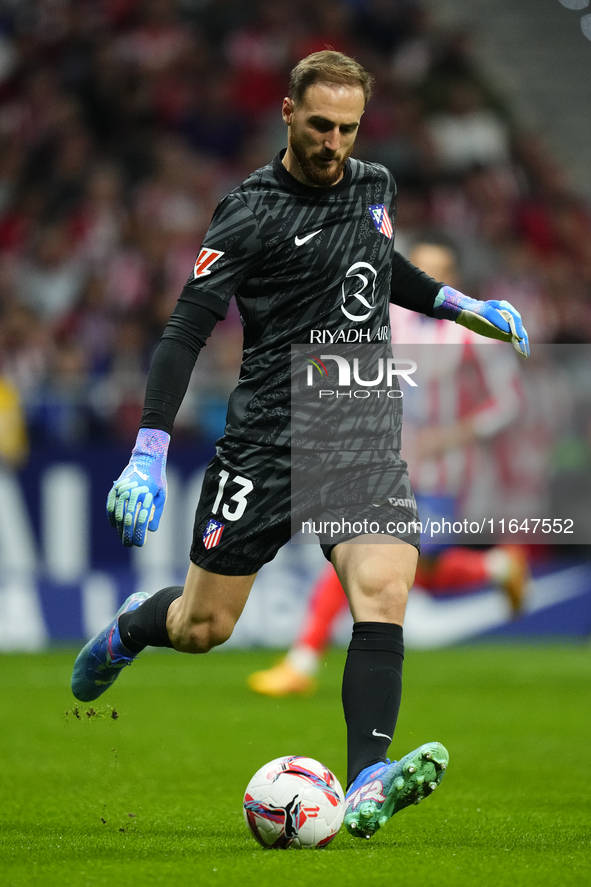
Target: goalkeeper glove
x=137 y=497
x=497 y=320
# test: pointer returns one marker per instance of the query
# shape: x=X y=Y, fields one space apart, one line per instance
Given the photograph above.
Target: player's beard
x=317 y=174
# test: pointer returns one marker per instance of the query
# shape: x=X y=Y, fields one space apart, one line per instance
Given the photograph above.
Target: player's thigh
x=377 y=575
x=372 y=532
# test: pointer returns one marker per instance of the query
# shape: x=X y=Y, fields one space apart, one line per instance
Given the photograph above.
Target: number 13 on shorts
x=240 y=498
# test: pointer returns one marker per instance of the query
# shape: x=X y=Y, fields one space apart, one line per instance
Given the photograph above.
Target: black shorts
x=255 y=498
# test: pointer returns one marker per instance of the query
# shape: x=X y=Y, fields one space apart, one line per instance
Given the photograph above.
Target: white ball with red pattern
x=294 y=802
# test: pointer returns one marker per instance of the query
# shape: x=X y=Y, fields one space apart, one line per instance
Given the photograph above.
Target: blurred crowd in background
x=122 y=124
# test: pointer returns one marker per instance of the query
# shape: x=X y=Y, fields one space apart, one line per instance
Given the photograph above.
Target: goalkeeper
x=306 y=247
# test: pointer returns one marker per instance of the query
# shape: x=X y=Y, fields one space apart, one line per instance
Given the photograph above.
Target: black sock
x=372 y=689
x=147 y=624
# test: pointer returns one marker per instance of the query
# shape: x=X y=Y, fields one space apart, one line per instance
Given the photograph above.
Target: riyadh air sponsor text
x=348 y=337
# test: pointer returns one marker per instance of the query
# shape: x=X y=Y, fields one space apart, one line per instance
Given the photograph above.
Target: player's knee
x=380 y=598
x=381 y=581
x=201 y=637
x=388 y=601
x=397 y=600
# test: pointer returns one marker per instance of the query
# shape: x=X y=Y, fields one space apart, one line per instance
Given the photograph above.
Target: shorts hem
x=327 y=549
x=225 y=569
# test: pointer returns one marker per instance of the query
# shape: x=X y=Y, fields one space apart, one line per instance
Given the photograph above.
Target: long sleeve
x=184 y=336
x=230 y=247
x=411 y=288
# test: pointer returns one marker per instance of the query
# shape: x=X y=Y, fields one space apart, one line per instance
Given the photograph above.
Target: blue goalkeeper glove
x=137 y=497
x=497 y=320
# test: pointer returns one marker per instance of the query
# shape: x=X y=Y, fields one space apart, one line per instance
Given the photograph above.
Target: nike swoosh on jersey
x=300 y=240
x=385 y=735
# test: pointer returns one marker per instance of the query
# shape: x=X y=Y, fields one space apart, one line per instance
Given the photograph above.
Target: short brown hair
x=328 y=66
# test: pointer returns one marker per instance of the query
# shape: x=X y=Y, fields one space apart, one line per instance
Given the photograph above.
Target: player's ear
x=287 y=110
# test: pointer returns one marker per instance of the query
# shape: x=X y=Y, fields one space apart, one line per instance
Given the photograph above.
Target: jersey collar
x=309 y=190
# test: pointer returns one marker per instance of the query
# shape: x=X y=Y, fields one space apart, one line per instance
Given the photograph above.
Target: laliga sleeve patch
x=204 y=261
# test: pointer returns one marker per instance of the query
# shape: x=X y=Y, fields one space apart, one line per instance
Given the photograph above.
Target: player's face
x=321 y=132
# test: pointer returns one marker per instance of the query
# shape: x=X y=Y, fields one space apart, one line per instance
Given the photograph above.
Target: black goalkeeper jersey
x=307 y=265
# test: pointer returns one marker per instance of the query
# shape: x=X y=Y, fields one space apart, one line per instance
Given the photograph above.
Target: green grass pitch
x=153 y=796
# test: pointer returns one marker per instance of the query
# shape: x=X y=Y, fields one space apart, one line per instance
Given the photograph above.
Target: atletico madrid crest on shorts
x=381 y=219
x=213 y=533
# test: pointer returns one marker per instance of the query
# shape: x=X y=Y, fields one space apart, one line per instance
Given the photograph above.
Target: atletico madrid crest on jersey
x=213 y=533
x=205 y=260
x=381 y=219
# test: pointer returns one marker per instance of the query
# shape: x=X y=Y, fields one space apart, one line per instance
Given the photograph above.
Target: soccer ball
x=294 y=802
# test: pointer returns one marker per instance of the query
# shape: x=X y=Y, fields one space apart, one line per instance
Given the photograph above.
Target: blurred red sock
x=327 y=601
x=455 y=570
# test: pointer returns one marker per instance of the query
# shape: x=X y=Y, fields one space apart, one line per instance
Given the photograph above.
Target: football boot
x=384 y=789
x=99 y=663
